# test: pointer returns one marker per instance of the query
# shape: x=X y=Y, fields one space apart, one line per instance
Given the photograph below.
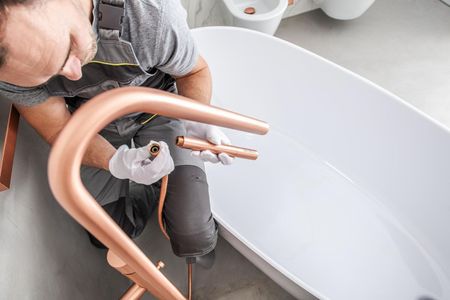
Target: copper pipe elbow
x=69 y=148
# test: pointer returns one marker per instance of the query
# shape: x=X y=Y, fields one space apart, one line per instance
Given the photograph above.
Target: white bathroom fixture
x=344 y=9
x=260 y=15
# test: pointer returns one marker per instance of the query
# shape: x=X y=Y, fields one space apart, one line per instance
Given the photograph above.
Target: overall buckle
x=110 y=16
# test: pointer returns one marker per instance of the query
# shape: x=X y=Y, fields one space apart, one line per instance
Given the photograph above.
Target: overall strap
x=110 y=17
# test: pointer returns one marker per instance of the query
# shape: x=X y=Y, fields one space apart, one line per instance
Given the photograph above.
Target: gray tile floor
x=401 y=45
x=231 y=277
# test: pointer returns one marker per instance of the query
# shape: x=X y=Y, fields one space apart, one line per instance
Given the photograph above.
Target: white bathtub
x=350 y=198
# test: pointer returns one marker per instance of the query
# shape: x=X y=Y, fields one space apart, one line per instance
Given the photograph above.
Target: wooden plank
x=9 y=146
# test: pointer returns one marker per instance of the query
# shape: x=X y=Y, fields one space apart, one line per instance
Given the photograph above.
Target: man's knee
x=194 y=244
x=187 y=212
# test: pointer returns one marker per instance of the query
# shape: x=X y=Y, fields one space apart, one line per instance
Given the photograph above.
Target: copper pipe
x=9 y=146
x=118 y=264
x=162 y=198
x=135 y=292
x=189 y=281
x=200 y=145
x=154 y=151
x=69 y=148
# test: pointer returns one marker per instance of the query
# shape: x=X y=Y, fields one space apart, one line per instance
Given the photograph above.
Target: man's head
x=43 y=38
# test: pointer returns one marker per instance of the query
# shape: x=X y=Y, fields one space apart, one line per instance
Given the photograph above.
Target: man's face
x=45 y=39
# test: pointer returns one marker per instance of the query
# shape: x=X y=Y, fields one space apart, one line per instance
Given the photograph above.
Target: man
x=56 y=55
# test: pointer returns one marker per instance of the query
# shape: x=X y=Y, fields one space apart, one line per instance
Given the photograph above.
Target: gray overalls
x=187 y=211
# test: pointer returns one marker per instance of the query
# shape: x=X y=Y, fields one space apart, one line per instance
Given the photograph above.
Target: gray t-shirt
x=160 y=37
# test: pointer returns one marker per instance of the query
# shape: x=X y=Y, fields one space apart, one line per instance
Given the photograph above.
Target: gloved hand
x=135 y=164
x=212 y=134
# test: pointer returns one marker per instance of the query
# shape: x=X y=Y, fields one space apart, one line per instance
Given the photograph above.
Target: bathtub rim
x=324 y=60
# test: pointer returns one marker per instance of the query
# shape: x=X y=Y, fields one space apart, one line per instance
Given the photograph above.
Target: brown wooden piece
x=9 y=145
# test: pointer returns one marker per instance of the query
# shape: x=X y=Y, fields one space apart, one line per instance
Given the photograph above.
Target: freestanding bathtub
x=350 y=198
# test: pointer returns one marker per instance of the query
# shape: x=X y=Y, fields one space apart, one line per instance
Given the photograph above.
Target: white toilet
x=260 y=15
x=344 y=9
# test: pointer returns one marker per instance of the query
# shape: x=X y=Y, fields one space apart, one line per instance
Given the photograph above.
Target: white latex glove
x=212 y=134
x=135 y=164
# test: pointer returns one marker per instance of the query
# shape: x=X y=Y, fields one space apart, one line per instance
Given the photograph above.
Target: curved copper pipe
x=68 y=150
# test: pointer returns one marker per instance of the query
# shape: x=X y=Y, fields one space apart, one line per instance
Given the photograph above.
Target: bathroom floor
x=401 y=45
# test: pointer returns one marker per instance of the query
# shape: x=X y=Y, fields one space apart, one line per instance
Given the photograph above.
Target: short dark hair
x=4 y=4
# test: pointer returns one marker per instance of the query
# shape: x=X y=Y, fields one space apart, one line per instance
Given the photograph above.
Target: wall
x=214 y=13
x=44 y=254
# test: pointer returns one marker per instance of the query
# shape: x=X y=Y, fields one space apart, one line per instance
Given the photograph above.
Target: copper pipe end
x=154 y=148
x=180 y=141
x=250 y=10
x=200 y=145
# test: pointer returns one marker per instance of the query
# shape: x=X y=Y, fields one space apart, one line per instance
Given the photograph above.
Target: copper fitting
x=199 y=145
x=160 y=265
x=117 y=263
x=250 y=10
x=154 y=148
x=134 y=292
x=189 y=281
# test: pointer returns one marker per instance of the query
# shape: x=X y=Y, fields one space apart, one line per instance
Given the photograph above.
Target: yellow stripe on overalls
x=112 y=64
x=149 y=119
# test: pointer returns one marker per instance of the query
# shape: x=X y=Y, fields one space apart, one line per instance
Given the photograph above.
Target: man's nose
x=72 y=68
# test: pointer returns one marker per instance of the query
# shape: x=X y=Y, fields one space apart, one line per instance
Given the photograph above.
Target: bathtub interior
x=351 y=187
